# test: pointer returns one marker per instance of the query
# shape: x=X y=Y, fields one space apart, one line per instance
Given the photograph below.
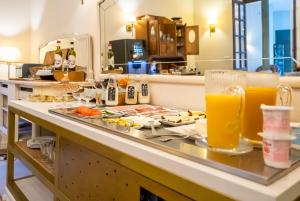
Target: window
x=240 y=35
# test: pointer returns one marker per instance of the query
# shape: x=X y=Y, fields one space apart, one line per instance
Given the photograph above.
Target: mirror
x=82 y=47
x=250 y=35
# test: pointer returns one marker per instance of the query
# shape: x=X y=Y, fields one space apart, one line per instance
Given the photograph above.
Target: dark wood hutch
x=166 y=40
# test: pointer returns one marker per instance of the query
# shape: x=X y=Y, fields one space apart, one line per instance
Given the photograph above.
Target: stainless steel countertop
x=249 y=166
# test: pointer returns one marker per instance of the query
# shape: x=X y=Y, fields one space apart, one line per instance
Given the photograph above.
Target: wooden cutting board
x=74 y=76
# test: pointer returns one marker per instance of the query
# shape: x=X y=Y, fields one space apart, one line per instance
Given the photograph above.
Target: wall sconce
x=212 y=25
x=130 y=25
x=212 y=28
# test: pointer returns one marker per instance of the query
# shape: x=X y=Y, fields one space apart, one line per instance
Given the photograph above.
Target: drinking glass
x=87 y=97
x=77 y=96
x=262 y=88
x=51 y=151
x=224 y=95
x=44 y=150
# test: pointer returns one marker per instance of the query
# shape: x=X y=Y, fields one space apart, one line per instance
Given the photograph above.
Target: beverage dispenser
x=131 y=54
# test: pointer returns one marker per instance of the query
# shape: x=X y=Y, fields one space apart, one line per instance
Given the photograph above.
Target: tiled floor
x=20 y=171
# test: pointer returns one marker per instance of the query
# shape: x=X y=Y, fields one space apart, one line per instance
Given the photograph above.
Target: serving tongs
x=154 y=133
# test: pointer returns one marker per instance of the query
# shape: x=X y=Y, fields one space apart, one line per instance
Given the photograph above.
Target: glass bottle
x=112 y=93
x=131 y=97
x=110 y=57
x=144 y=92
x=58 y=60
x=72 y=57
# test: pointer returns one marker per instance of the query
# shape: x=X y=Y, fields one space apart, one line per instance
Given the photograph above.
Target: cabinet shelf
x=34 y=189
x=35 y=158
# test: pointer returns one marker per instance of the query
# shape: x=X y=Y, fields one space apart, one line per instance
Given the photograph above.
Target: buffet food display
x=123 y=105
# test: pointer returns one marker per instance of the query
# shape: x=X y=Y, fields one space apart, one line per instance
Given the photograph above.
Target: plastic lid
x=270 y=136
x=295 y=124
x=275 y=107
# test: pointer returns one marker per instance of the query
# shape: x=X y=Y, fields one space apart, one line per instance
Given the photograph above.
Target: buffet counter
x=20 y=89
x=169 y=176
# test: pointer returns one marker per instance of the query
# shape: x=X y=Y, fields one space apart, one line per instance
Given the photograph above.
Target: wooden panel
x=172 y=49
x=192 y=46
x=163 y=48
x=141 y=30
x=87 y=176
x=153 y=37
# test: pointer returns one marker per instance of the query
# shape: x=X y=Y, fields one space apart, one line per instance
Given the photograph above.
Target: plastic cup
x=276 y=150
x=276 y=119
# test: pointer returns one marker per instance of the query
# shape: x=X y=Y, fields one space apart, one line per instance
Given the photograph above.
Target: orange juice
x=252 y=117
x=223 y=120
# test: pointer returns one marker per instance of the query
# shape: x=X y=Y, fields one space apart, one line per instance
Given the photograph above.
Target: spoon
x=167 y=139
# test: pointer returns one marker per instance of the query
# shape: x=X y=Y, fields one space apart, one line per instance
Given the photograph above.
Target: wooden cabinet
x=165 y=38
x=160 y=35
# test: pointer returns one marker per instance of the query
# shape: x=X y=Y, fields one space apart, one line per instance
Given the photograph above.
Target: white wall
x=15 y=25
x=218 y=45
x=51 y=19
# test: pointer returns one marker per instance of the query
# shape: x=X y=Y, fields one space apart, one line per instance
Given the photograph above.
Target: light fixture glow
x=212 y=25
x=131 y=20
x=10 y=54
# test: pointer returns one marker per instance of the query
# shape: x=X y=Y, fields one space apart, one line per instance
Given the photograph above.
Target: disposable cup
x=276 y=119
x=276 y=150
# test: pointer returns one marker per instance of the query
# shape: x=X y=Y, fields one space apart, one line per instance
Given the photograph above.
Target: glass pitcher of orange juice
x=224 y=96
x=262 y=88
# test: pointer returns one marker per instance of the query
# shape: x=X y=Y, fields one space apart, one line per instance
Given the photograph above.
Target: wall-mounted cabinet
x=164 y=37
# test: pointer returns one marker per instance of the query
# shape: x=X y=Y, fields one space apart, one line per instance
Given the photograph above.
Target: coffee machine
x=131 y=55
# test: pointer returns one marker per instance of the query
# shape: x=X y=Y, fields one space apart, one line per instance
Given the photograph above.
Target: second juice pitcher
x=261 y=88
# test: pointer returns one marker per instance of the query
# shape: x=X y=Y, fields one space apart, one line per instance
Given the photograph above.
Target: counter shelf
x=249 y=166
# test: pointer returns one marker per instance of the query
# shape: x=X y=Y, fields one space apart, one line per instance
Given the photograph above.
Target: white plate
x=145 y=121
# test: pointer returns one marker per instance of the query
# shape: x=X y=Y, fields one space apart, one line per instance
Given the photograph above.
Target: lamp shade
x=10 y=54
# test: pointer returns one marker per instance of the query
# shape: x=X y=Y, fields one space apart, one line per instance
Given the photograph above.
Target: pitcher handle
x=285 y=94
x=237 y=91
